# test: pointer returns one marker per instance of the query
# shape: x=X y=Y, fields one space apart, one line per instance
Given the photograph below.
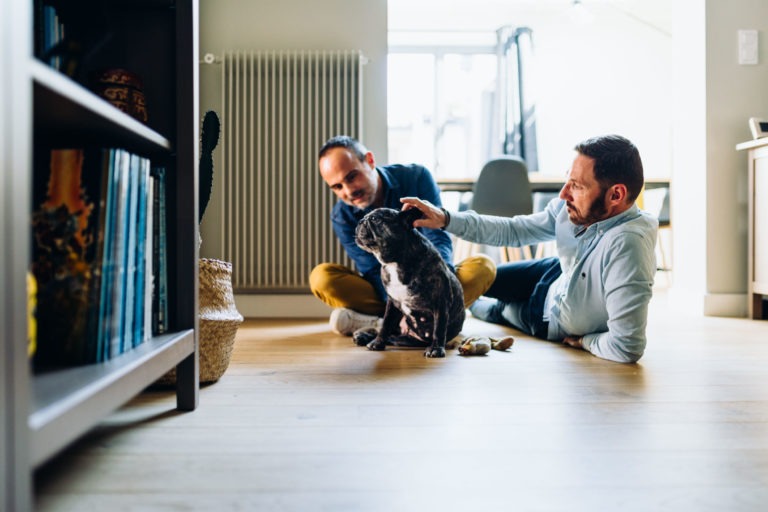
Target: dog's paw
x=377 y=344
x=455 y=342
x=435 y=352
x=362 y=337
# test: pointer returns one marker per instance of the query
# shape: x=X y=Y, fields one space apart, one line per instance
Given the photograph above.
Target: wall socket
x=748 y=47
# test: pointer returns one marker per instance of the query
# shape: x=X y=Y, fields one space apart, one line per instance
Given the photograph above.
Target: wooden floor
x=305 y=421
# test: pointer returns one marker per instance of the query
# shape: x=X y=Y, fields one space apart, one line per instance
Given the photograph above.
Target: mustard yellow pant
x=341 y=287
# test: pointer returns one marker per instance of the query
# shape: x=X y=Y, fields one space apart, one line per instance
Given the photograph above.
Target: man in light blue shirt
x=594 y=295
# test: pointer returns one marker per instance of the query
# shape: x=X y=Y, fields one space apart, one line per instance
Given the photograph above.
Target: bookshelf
x=41 y=413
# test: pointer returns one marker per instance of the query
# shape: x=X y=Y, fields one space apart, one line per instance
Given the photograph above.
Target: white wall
x=715 y=97
x=300 y=24
x=293 y=24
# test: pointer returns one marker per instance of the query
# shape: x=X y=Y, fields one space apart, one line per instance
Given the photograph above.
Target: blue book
x=141 y=242
x=122 y=170
x=129 y=281
x=149 y=255
x=108 y=266
x=96 y=175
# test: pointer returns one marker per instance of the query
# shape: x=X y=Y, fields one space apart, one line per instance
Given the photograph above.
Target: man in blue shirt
x=594 y=295
x=359 y=297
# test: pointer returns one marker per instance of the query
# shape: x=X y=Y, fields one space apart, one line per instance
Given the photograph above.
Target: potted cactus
x=219 y=318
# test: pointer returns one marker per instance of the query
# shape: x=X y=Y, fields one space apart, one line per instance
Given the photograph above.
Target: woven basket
x=219 y=320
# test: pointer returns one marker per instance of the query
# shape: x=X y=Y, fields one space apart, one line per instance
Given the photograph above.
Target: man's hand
x=573 y=341
x=434 y=217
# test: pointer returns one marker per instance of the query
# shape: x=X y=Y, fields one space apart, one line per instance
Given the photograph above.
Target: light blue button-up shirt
x=608 y=271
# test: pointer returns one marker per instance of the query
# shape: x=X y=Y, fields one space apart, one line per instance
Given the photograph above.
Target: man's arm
x=628 y=273
x=488 y=229
x=427 y=190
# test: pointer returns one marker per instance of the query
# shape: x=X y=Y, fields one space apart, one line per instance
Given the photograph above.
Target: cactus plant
x=209 y=138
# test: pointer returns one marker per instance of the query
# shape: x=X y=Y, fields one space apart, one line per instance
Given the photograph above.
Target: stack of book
x=98 y=254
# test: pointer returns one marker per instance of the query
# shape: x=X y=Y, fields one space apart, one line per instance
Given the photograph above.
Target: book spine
x=129 y=278
x=141 y=239
x=149 y=254
x=118 y=275
x=161 y=276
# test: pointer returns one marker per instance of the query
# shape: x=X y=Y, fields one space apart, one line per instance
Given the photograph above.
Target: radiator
x=279 y=107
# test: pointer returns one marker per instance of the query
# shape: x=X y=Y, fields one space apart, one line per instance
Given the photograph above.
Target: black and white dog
x=420 y=286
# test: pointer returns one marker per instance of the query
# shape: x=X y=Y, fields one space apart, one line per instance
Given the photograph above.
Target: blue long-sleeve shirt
x=608 y=271
x=398 y=181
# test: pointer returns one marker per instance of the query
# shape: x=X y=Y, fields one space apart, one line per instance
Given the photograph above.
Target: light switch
x=748 y=47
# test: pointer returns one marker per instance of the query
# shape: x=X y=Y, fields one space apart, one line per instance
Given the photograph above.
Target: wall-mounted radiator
x=279 y=107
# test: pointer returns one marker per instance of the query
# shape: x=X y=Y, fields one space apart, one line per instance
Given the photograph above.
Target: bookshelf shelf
x=66 y=111
x=41 y=108
x=67 y=402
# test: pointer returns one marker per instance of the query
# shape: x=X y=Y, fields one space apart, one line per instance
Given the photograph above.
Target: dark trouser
x=521 y=288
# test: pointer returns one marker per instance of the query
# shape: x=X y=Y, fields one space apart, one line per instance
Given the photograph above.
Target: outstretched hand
x=573 y=341
x=434 y=217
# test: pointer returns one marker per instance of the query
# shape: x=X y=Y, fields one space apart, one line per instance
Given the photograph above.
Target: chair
x=540 y=201
x=502 y=189
x=656 y=201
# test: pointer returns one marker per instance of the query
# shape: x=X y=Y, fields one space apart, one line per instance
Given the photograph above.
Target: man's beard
x=366 y=195
x=596 y=212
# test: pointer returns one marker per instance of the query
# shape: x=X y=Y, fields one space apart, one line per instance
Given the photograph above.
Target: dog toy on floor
x=479 y=345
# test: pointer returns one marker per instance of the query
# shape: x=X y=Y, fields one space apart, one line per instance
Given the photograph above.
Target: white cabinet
x=758 y=227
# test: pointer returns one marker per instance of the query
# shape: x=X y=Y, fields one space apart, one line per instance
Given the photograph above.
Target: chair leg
x=504 y=254
x=660 y=243
x=526 y=252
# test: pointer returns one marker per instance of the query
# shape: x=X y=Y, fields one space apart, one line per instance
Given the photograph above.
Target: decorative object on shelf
x=65 y=223
x=124 y=90
x=31 y=322
x=219 y=318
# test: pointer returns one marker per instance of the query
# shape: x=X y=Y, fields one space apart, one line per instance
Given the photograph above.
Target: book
x=70 y=203
x=121 y=174
x=160 y=295
x=129 y=277
x=139 y=276
x=108 y=267
x=149 y=281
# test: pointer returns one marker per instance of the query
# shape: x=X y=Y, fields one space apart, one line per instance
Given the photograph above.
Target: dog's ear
x=408 y=216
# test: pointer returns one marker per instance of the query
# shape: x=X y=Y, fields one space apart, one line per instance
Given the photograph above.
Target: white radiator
x=279 y=108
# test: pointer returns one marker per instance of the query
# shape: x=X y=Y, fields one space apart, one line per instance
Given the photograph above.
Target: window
x=441 y=110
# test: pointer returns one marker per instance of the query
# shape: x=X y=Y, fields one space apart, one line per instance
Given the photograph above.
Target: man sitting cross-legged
x=359 y=298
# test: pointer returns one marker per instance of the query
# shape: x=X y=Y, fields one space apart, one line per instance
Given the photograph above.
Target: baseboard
x=281 y=306
x=725 y=304
x=707 y=304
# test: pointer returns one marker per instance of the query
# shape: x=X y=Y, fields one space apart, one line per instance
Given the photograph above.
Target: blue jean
x=521 y=288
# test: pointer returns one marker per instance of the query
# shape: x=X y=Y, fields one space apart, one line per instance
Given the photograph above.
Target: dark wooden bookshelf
x=44 y=411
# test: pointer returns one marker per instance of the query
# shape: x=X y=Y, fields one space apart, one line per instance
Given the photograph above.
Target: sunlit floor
x=305 y=421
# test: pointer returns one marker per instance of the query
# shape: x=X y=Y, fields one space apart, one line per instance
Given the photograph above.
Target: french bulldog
x=420 y=286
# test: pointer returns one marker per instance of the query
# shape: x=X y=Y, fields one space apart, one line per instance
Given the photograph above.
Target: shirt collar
x=389 y=183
